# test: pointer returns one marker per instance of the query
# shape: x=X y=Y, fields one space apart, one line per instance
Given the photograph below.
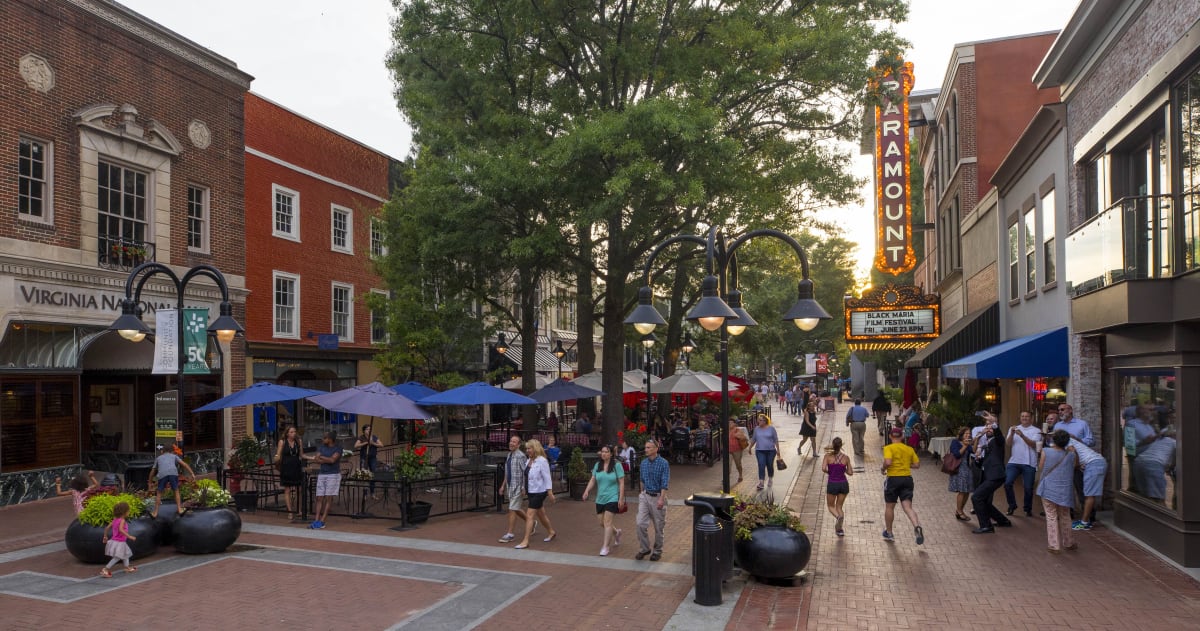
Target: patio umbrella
x=372 y=399
x=413 y=390
x=261 y=392
x=686 y=382
x=563 y=390
x=631 y=381
x=478 y=393
x=910 y=387
x=516 y=383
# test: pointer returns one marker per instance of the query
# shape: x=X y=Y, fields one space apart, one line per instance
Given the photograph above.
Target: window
x=342 y=226
x=34 y=199
x=197 y=227
x=1031 y=249
x=1014 y=275
x=565 y=310
x=121 y=204
x=378 y=244
x=949 y=240
x=1095 y=182
x=1148 y=450
x=1049 y=271
x=379 y=319
x=343 y=312
x=287 y=213
x=287 y=305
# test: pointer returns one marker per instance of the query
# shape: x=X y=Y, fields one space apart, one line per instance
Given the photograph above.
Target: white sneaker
x=507 y=538
x=770 y=481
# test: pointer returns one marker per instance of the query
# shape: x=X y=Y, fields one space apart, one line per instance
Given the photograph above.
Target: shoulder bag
x=950 y=464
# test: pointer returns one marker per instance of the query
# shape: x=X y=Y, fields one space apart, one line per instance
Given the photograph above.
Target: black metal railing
x=119 y=253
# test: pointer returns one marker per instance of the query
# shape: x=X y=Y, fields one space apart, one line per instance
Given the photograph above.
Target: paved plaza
x=452 y=574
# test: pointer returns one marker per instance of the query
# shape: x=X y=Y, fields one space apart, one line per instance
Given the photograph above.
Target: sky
x=324 y=59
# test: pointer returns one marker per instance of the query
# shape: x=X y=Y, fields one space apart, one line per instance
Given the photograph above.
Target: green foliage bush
x=99 y=508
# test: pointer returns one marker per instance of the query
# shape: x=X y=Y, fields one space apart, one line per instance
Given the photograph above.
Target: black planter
x=418 y=511
x=206 y=530
x=86 y=543
x=168 y=512
x=773 y=552
x=577 y=488
x=246 y=501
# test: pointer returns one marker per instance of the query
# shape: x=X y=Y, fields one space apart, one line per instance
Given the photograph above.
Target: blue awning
x=1038 y=355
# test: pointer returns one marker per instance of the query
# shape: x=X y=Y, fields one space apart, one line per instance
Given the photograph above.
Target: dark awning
x=543 y=360
x=972 y=333
x=1039 y=355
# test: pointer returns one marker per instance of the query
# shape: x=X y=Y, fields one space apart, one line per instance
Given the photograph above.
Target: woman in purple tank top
x=837 y=465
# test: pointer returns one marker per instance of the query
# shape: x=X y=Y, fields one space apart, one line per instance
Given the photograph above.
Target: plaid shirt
x=514 y=472
x=656 y=474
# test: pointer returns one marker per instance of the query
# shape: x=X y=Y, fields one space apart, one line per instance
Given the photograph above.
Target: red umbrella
x=910 y=387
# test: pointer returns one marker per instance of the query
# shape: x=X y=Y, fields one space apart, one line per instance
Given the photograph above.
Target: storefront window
x=1147 y=436
x=39 y=426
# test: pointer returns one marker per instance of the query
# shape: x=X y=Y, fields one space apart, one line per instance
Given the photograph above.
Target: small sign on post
x=166 y=413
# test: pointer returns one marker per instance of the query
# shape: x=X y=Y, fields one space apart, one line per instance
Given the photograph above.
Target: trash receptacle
x=706 y=541
x=137 y=474
x=722 y=505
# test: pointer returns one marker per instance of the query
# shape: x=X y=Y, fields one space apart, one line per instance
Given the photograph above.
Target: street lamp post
x=712 y=312
x=130 y=326
x=687 y=347
x=648 y=341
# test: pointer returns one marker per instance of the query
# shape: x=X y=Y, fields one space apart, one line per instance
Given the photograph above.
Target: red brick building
x=121 y=143
x=312 y=197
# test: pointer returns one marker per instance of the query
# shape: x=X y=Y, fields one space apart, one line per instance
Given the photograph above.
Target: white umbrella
x=632 y=381
x=688 y=382
x=515 y=383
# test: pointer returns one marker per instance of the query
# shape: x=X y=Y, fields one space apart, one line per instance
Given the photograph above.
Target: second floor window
x=33 y=181
x=121 y=206
x=343 y=312
x=287 y=305
x=379 y=322
x=342 y=232
x=1030 y=249
x=1049 y=269
x=197 y=229
x=1014 y=258
x=286 y=213
x=378 y=246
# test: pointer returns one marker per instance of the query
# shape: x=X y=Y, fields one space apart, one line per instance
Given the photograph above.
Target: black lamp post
x=648 y=341
x=712 y=311
x=559 y=352
x=130 y=326
x=687 y=347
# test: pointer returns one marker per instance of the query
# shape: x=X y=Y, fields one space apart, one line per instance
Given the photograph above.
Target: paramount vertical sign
x=893 y=221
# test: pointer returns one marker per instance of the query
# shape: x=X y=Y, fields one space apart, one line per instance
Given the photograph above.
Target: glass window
x=378 y=245
x=287 y=213
x=197 y=229
x=565 y=311
x=33 y=181
x=1147 y=423
x=121 y=211
x=287 y=305
x=379 y=319
x=1014 y=276
x=343 y=233
x=1049 y=265
x=1095 y=182
x=1031 y=249
x=41 y=422
x=1188 y=98
x=343 y=311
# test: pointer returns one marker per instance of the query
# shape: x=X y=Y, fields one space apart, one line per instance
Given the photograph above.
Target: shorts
x=168 y=480
x=898 y=488
x=516 y=502
x=610 y=507
x=837 y=488
x=1093 y=478
x=328 y=484
x=537 y=500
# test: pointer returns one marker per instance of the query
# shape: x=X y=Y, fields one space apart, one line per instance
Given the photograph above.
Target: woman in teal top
x=608 y=478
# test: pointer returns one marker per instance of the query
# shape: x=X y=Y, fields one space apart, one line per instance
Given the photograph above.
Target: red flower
x=261 y=462
x=629 y=426
x=642 y=428
x=420 y=451
x=620 y=434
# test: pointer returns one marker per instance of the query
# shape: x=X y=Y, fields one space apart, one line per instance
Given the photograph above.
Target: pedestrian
x=1080 y=430
x=739 y=440
x=291 y=469
x=989 y=452
x=881 y=407
x=656 y=477
x=898 y=462
x=608 y=478
x=513 y=486
x=962 y=482
x=1095 y=467
x=856 y=420
x=116 y=547
x=539 y=488
x=808 y=428
x=166 y=465
x=765 y=443
x=329 y=477
x=1057 y=464
x=367 y=445
x=1024 y=443
x=837 y=466
x=76 y=488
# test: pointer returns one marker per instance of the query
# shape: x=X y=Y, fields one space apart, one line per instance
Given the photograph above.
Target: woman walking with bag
x=1057 y=490
x=837 y=466
x=738 y=442
x=608 y=478
x=808 y=427
x=539 y=489
x=961 y=481
x=765 y=443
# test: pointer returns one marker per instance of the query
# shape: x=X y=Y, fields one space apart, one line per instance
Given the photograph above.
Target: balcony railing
x=1132 y=239
x=118 y=253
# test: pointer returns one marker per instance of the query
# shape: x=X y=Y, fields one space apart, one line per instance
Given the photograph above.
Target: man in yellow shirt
x=898 y=462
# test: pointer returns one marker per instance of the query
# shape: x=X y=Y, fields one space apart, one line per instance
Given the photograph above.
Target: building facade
x=123 y=141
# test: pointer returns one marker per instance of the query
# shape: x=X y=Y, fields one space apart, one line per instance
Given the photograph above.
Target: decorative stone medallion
x=37 y=73
x=199 y=134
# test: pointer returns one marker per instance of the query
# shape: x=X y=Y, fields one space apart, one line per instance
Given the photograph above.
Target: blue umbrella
x=563 y=390
x=478 y=393
x=372 y=399
x=414 y=390
x=261 y=392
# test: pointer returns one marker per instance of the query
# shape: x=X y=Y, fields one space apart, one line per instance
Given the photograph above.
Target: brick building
x=123 y=144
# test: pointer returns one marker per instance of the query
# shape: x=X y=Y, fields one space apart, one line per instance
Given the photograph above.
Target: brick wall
x=1085 y=390
x=981 y=288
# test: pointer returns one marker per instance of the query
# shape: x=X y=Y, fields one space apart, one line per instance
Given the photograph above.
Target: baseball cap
x=896 y=431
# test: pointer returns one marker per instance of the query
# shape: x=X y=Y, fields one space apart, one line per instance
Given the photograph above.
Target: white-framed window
x=197 y=224
x=287 y=305
x=121 y=200
x=343 y=311
x=379 y=334
x=1049 y=268
x=1031 y=248
x=35 y=198
x=1014 y=258
x=286 y=215
x=378 y=242
x=341 y=226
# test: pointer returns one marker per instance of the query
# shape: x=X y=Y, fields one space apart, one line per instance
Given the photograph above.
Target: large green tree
x=615 y=125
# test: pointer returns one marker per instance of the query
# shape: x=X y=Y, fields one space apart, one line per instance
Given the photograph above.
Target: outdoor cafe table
x=940 y=445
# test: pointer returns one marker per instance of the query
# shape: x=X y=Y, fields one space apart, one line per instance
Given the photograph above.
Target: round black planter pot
x=168 y=512
x=773 y=552
x=206 y=530
x=86 y=543
x=418 y=511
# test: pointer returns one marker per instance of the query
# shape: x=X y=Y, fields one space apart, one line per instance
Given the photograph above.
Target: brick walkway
x=451 y=572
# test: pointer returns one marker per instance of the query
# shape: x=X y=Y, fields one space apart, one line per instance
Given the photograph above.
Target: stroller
x=681 y=444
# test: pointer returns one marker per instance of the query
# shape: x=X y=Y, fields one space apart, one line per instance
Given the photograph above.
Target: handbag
x=950 y=464
x=622 y=508
x=780 y=464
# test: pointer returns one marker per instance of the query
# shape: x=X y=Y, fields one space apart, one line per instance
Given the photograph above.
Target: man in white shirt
x=1094 y=469
x=1024 y=441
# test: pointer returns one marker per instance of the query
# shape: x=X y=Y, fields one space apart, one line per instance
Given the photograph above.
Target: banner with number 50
x=195 y=341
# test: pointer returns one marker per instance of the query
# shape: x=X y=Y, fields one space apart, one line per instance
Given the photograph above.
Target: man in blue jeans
x=1024 y=441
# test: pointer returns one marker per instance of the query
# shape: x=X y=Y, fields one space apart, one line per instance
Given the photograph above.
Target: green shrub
x=204 y=493
x=99 y=508
x=577 y=470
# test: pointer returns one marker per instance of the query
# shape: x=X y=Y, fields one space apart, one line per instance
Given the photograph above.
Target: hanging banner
x=893 y=217
x=166 y=342
x=195 y=341
x=810 y=364
x=823 y=363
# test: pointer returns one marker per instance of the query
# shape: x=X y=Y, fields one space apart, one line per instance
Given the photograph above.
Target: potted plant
x=207 y=524
x=577 y=474
x=634 y=435
x=769 y=539
x=410 y=465
x=85 y=538
x=247 y=454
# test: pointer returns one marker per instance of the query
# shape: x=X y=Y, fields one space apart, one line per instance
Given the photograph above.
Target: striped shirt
x=656 y=474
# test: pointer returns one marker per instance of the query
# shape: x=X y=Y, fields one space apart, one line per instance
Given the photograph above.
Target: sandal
x=105 y=573
x=961 y=517
x=131 y=569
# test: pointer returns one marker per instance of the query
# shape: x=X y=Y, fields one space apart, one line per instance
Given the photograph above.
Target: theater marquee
x=893 y=219
x=892 y=317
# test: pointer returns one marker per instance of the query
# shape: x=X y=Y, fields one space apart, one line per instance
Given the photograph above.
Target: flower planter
x=577 y=488
x=86 y=543
x=418 y=511
x=773 y=552
x=168 y=512
x=206 y=530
